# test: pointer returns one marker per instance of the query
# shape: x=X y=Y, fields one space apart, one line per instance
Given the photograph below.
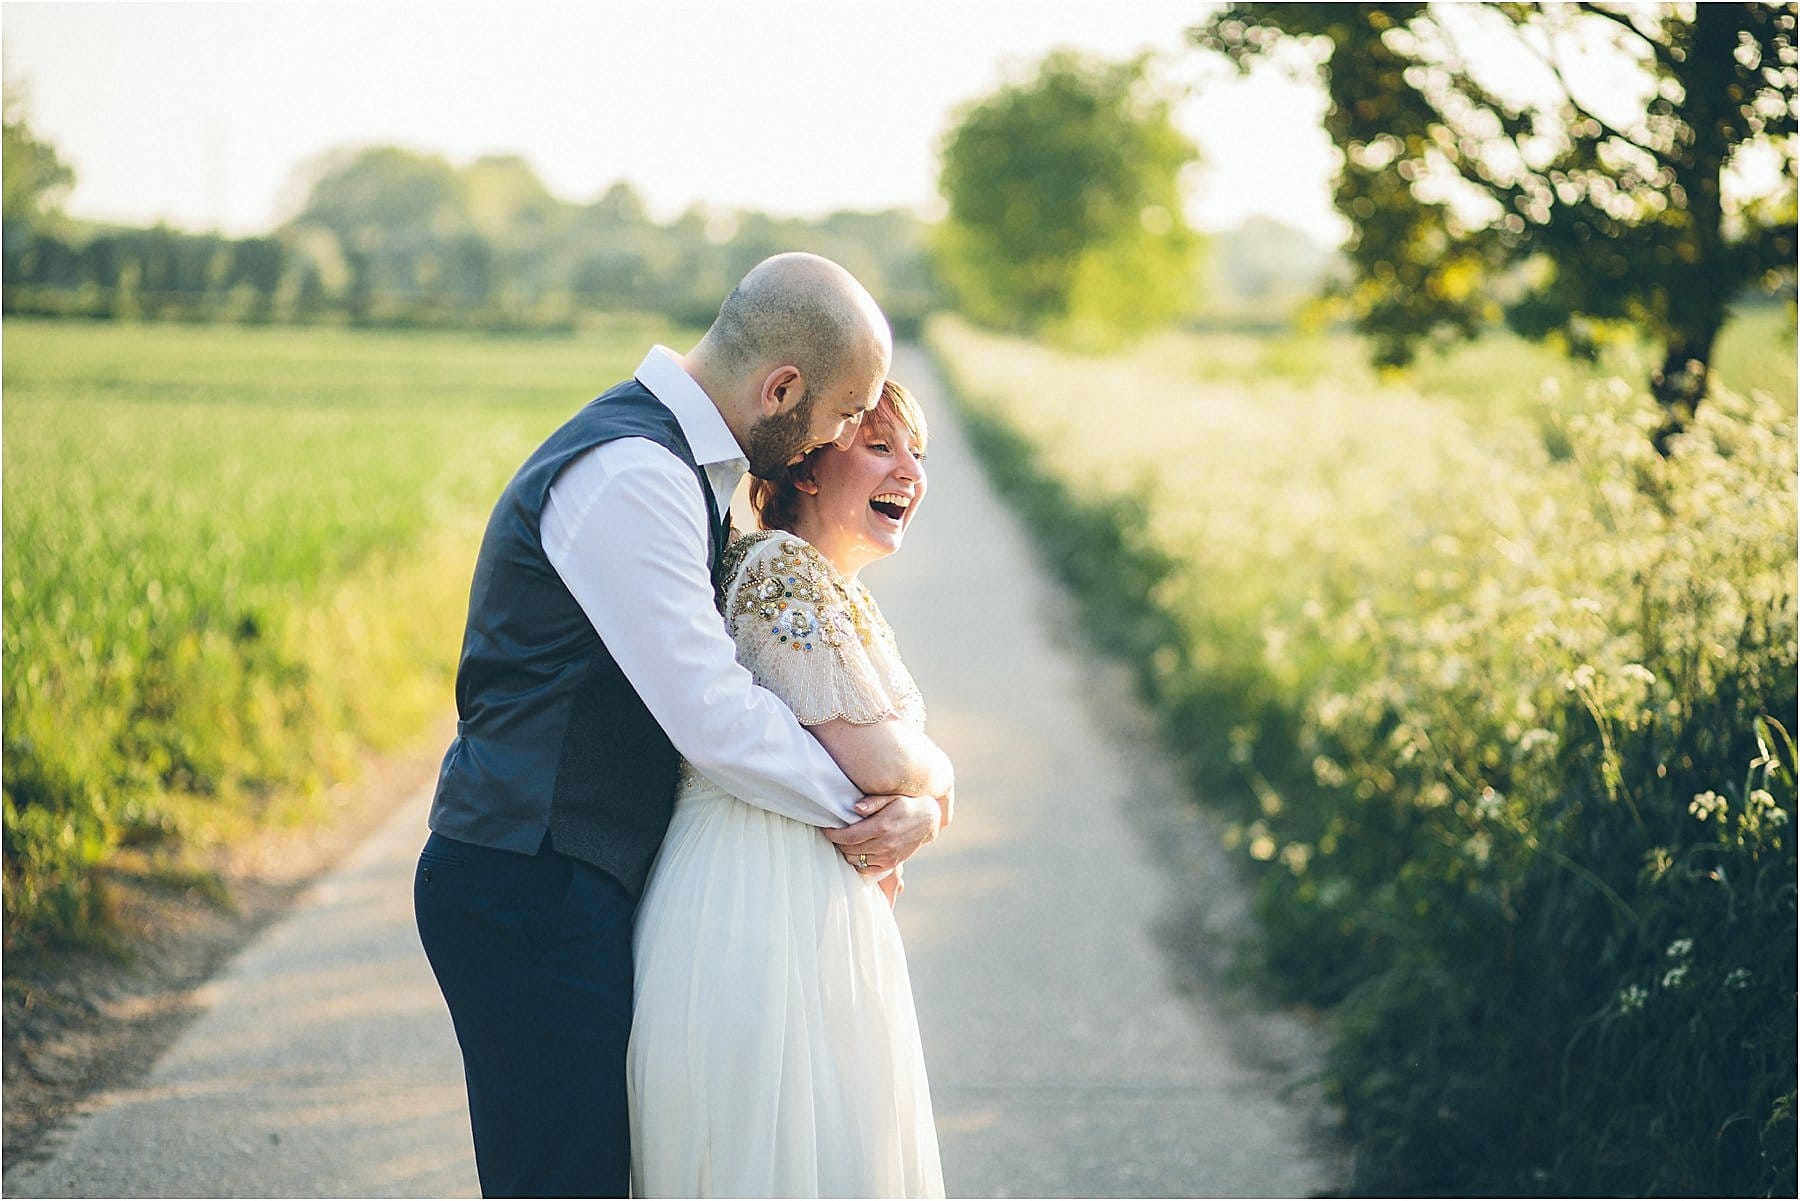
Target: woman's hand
x=896 y=826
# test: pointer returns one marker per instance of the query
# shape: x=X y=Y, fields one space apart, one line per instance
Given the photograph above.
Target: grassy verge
x=234 y=560
x=1503 y=703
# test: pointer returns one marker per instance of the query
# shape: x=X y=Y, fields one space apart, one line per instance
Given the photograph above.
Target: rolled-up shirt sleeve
x=626 y=529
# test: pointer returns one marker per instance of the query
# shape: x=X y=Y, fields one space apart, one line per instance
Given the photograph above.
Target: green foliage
x=1504 y=702
x=233 y=559
x=35 y=178
x=1474 y=195
x=393 y=238
x=1065 y=205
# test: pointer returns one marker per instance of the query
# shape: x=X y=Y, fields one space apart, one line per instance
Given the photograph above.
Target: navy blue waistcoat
x=552 y=736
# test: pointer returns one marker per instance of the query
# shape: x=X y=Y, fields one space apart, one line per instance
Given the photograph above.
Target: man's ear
x=782 y=389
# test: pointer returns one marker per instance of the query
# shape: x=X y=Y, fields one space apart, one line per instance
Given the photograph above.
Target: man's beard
x=774 y=441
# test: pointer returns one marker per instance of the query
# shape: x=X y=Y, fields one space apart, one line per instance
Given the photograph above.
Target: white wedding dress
x=774 y=1046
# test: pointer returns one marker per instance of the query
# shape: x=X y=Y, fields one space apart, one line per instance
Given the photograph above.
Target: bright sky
x=199 y=113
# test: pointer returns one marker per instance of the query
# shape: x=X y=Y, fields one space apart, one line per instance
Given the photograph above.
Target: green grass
x=234 y=559
x=1501 y=702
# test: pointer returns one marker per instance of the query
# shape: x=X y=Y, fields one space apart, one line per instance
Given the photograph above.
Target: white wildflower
x=1706 y=805
x=1532 y=739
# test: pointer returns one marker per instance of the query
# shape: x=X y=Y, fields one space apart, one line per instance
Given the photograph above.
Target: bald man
x=592 y=661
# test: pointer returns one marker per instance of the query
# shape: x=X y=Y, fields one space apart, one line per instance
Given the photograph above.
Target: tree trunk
x=1680 y=384
x=1699 y=297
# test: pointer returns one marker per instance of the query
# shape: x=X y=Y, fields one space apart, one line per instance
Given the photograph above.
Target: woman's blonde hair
x=775 y=501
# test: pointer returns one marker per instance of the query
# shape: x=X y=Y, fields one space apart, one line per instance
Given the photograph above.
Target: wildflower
x=1707 y=804
x=1532 y=739
x=1738 y=979
x=1637 y=671
x=1243 y=744
x=1761 y=810
x=1295 y=856
x=1632 y=999
x=1581 y=679
x=1487 y=805
x=1674 y=976
x=1679 y=948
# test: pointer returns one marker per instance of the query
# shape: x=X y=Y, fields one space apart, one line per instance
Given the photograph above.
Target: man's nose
x=847 y=432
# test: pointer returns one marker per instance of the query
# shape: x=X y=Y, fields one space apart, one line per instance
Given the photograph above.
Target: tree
x=1065 y=202
x=622 y=205
x=396 y=215
x=1553 y=198
x=35 y=178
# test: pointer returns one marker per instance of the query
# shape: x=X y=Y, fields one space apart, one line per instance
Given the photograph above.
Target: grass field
x=234 y=559
x=1502 y=703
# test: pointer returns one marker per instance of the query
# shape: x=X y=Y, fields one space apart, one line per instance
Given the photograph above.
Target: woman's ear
x=804 y=479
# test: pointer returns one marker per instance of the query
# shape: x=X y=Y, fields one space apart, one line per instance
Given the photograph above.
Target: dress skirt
x=774 y=1046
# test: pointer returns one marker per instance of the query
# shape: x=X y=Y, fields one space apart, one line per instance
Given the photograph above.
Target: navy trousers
x=533 y=954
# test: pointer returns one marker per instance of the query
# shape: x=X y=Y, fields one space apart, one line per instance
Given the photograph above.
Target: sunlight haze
x=201 y=115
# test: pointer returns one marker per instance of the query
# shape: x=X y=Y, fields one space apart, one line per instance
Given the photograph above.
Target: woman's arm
x=890 y=757
x=887 y=758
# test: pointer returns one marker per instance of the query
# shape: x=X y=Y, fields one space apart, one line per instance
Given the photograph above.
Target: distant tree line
x=392 y=237
x=1065 y=221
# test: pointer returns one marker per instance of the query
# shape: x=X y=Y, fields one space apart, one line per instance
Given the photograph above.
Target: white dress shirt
x=626 y=529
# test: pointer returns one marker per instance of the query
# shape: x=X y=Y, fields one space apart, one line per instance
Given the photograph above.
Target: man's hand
x=895 y=827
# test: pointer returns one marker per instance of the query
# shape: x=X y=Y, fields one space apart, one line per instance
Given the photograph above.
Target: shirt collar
x=708 y=436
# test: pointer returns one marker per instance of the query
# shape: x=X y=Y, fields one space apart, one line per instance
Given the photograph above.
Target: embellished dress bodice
x=813 y=638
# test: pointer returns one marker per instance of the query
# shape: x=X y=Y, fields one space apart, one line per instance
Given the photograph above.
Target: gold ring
x=862 y=861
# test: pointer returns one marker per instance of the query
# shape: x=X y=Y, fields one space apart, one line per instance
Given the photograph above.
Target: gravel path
x=1067 y=939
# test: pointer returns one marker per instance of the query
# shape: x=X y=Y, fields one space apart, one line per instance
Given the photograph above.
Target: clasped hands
x=892 y=828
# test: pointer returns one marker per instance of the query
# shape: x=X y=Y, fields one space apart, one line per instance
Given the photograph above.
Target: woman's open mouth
x=892 y=505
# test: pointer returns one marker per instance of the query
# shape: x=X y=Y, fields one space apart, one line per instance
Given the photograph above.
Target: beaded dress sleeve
x=805 y=633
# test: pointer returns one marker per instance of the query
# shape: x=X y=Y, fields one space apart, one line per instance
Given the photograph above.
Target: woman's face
x=863 y=498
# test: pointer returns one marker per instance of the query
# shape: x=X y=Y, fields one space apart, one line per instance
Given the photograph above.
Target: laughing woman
x=774 y=1048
